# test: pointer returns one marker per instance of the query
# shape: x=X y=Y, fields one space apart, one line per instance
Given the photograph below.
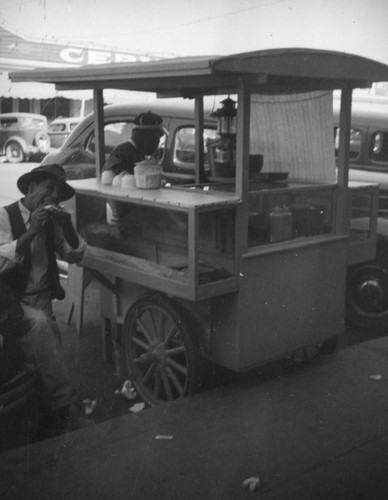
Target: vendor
x=146 y=134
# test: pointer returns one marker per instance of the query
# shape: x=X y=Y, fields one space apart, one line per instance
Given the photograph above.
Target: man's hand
x=64 y=220
x=37 y=220
x=58 y=214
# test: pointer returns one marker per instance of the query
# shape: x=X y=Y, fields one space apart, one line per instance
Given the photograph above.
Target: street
x=314 y=430
x=318 y=430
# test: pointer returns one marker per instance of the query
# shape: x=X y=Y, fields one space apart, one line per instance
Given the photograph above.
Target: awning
x=36 y=90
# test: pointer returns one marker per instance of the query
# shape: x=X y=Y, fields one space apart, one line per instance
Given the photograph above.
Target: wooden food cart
x=248 y=263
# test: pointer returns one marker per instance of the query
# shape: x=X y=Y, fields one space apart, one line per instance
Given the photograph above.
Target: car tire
x=367 y=297
x=14 y=152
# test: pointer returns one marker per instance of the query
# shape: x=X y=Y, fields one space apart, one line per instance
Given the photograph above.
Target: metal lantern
x=226 y=117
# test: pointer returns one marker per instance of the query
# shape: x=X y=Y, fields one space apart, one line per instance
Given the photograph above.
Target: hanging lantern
x=226 y=117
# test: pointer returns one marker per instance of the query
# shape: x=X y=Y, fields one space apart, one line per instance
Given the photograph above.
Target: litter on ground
x=252 y=483
x=127 y=390
x=90 y=406
x=137 y=407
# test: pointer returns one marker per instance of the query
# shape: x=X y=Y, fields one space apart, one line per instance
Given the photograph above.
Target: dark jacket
x=123 y=158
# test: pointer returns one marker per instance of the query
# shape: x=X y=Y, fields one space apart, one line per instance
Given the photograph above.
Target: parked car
x=60 y=129
x=23 y=137
x=368 y=283
x=176 y=152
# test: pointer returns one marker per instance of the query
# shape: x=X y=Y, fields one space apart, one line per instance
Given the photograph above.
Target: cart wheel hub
x=371 y=295
x=158 y=353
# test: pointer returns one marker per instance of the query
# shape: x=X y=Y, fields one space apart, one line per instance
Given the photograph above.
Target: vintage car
x=176 y=152
x=60 y=129
x=368 y=161
x=23 y=137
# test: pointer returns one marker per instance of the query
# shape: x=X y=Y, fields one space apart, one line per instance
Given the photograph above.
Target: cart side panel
x=287 y=300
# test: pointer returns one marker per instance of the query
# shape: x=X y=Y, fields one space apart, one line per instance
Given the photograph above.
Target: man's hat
x=149 y=121
x=54 y=171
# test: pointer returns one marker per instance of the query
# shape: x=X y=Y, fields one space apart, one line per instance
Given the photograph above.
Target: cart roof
x=275 y=70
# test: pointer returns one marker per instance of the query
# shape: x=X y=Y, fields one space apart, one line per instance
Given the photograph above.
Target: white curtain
x=295 y=134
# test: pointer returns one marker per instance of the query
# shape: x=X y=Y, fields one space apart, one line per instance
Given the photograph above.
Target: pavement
x=317 y=430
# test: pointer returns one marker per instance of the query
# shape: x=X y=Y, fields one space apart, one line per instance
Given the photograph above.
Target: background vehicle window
x=57 y=127
x=184 y=144
x=379 y=147
x=9 y=123
x=355 y=142
x=72 y=126
x=114 y=134
x=38 y=122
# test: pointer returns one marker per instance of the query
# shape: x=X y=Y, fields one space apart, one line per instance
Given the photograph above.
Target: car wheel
x=367 y=297
x=162 y=357
x=14 y=152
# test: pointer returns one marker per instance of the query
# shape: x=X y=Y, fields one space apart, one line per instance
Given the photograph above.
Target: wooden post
x=199 y=159
x=242 y=168
x=343 y=215
x=99 y=130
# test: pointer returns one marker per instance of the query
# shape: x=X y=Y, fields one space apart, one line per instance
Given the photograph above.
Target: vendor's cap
x=53 y=171
x=149 y=121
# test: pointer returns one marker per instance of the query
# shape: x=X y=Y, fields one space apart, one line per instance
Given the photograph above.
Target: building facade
x=20 y=53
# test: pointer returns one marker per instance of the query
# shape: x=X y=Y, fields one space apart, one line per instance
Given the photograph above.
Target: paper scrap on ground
x=137 y=407
x=252 y=483
x=376 y=377
x=127 y=390
x=90 y=406
x=163 y=437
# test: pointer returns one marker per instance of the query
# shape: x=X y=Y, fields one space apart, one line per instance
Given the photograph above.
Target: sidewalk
x=319 y=431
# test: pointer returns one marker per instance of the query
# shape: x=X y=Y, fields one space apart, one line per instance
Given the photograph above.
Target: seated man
x=32 y=232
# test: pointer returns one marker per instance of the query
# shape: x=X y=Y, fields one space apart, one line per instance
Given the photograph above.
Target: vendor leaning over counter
x=145 y=137
x=146 y=133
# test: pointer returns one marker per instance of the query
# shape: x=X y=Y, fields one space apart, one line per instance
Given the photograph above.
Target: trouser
x=41 y=346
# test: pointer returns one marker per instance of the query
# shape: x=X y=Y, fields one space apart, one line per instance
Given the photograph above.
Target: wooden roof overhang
x=268 y=71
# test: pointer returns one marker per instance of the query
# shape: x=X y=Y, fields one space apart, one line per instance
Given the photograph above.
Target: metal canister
x=280 y=221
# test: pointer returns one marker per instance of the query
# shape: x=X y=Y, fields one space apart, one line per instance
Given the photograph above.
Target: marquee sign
x=17 y=52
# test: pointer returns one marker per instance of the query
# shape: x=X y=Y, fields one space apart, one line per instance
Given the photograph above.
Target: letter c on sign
x=72 y=55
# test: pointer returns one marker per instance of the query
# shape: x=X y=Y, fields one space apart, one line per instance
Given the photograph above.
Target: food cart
x=245 y=265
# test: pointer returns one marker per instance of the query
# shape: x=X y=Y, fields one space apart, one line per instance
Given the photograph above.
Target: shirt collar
x=26 y=214
x=133 y=143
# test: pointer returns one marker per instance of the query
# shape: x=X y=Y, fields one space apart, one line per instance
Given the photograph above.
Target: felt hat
x=149 y=121
x=54 y=171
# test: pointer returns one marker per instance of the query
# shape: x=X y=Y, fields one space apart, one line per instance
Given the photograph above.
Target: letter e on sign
x=98 y=57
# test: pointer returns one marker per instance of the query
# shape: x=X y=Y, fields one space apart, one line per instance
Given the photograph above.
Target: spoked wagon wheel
x=162 y=356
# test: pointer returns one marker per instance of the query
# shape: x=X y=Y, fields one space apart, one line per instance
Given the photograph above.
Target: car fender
x=19 y=140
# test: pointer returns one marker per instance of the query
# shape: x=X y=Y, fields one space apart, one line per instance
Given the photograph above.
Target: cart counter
x=181 y=243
